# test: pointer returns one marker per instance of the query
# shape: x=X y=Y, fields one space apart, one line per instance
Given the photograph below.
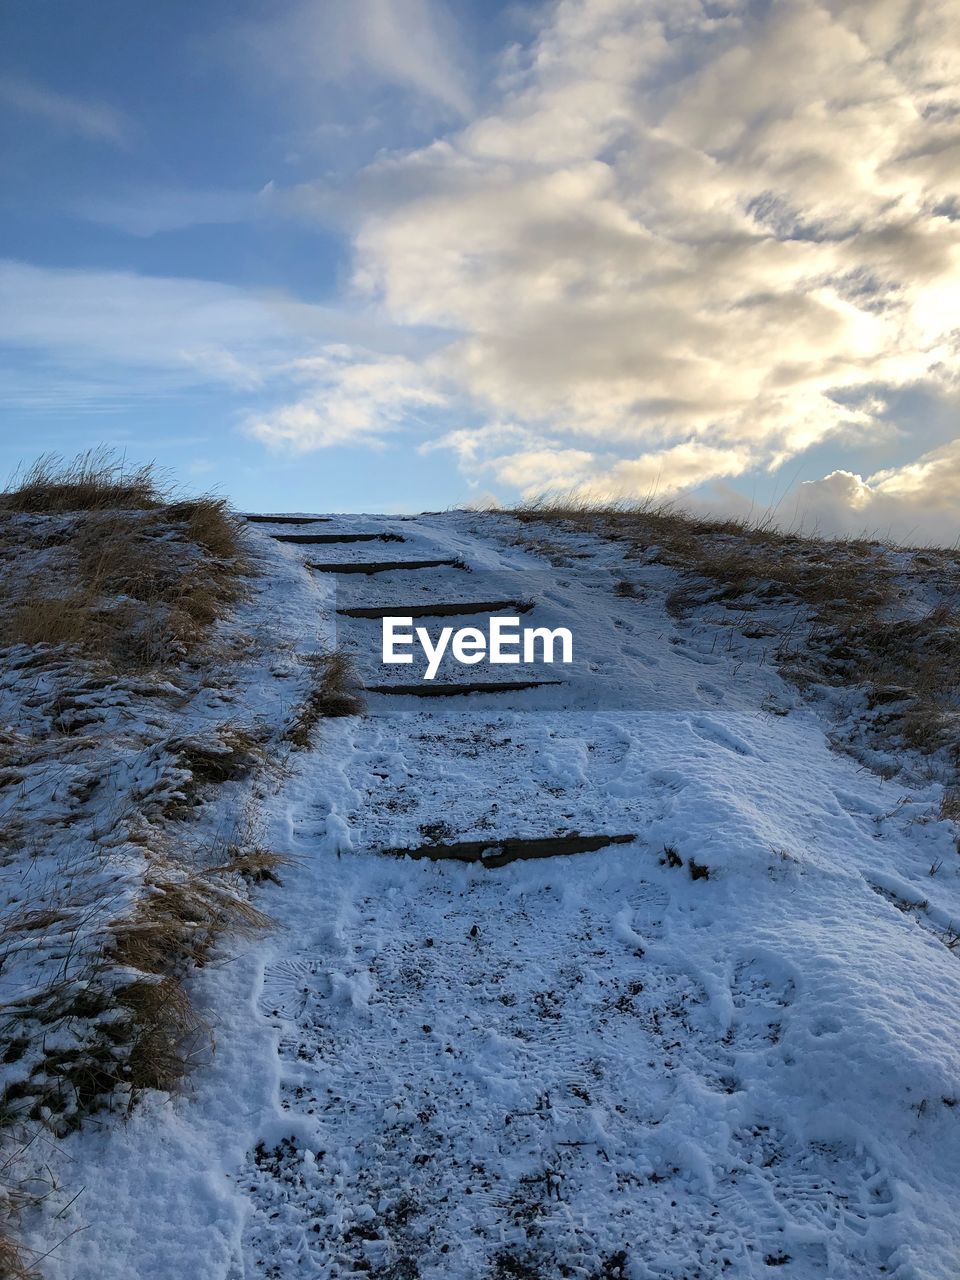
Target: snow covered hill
x=728 y=1047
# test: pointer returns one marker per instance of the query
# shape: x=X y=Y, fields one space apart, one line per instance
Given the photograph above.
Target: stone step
x=383 y=566
x=436 y=610
x=289 y=519
x=433 y=689
x=497 y=853
x=338 y=537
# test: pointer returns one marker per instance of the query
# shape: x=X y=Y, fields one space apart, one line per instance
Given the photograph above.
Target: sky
x=400 y=255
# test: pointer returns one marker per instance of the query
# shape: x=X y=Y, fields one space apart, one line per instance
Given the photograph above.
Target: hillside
x=650 y=971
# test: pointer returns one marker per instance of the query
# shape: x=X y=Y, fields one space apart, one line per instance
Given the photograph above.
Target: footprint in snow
x=857 y=806
x=762 y=989
x=826 y=1188
x=710 y=731
x=670 y=780
x=762 y=981
x=640 y=655
x=710 y=692
x=291 y=986
x=811 y=1208
x=648 y=905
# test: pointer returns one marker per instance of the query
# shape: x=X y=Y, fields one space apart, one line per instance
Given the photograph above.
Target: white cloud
x=541 y=470
x=95 y=121
x=548 y=467
x=187 y=331
x=354 y=397
x=100 y=338
x=687 y=231
x=411 y=44
x=919 y=501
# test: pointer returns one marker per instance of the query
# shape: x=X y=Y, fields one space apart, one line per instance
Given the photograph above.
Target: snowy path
x=598 y=1065
x=725 y=1049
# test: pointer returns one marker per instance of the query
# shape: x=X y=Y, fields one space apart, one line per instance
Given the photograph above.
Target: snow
x=728 y=1048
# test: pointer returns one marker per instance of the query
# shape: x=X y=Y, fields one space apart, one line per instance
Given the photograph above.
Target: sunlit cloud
x=353 y=397
x=917 y=502
x=703 y=239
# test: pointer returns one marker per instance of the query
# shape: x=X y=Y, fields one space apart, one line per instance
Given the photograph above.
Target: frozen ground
x=729 y=1048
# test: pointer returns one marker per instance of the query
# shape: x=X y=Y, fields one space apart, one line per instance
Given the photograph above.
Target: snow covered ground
x=729 y=1048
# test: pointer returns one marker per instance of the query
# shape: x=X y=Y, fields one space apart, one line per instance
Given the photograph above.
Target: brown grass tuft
x=334 y=691
x=210 y=524
x=136 y=580
x=94 y=481
x=845 y=630
x=174 y=929
x=255 y=865
x=50 y=620
x=165 y=1033
x=12 y=1264
x=184 y=916
x=227 y=757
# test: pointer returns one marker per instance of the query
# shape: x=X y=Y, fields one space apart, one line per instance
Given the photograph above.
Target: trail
x=726 y=1048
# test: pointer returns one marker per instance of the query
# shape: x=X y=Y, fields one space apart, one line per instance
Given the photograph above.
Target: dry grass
x=45 y=620
x=950 y=805
x=174 y=929
x=21 y=1191
x=255 y=865
x=210 y=524
x=910 y=668
x=183 y=916
x=334 y=691
x=831 y=576
x=136 y=579
x=12 y=1264
x=128 y=1014
x=110 y=576
x=229 y=756
x=166 y=1033
x=125 y=1009
x=844 y=591
x=94 y=481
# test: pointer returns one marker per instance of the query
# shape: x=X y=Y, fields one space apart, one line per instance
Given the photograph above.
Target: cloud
x=187 y=331
x=539 y=470
x=409 y=44
x=94 y=121
x=354 y=397
x=595 y=476
x=102 y=338
x=152 y=211
x=685 y=231
x=916 y=502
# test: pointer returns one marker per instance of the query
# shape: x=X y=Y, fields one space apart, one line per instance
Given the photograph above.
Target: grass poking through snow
x=109 y=565
x=116 y=594
x=334 y=691
x=94 y=481
x=855 y=607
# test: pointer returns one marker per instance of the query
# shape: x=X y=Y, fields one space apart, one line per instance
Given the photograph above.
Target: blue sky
x=403 y=254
